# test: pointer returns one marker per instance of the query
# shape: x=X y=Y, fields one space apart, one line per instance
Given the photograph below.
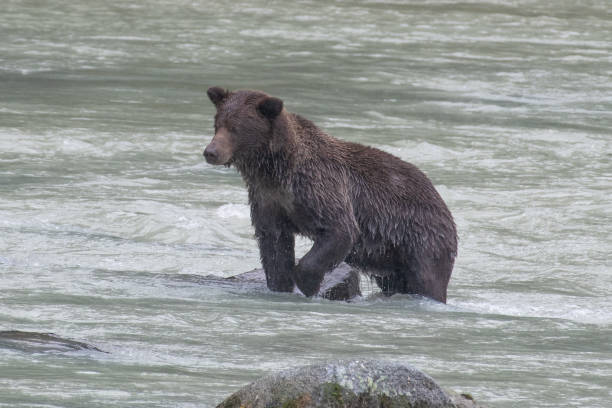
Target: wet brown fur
x=357 y=203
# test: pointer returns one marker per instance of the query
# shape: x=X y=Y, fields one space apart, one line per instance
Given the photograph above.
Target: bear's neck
x=265 y=170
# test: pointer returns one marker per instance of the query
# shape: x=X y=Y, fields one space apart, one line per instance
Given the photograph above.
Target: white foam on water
x=240 y=211
x=583 y=311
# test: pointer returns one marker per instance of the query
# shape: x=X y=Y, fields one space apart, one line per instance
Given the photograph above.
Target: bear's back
x=394 y=201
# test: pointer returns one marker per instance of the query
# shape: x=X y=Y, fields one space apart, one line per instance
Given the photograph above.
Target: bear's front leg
x=278 y=259
x=276 y=247
x=327 y=252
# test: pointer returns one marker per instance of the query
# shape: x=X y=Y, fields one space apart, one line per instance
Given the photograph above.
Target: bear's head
x=247 y=123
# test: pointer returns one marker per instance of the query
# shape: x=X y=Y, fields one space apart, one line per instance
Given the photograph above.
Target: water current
x=106 y=203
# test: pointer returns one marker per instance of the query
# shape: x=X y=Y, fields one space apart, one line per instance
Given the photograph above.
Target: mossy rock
x=347 y=384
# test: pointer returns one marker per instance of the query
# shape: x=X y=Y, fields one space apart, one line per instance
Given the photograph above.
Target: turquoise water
x=107 y=206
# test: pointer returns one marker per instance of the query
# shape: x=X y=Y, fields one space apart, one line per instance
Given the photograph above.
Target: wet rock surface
x=344 y=384
x=40 y=342
x=340 y=284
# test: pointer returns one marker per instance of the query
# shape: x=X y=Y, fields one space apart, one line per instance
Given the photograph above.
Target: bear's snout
x=220 y=150
x=211 y=154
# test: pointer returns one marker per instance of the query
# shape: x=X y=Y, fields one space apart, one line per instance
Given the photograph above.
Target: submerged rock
x=40 y=342
x=344 y=384
x=340 y=284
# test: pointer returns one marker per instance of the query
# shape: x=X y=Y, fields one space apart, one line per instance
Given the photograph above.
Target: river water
x=107 y=206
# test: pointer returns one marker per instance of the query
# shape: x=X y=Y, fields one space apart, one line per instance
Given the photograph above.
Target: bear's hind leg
x=428 y=277
x=391 y=284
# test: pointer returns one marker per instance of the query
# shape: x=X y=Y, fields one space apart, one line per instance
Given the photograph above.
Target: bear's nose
x=211 y=155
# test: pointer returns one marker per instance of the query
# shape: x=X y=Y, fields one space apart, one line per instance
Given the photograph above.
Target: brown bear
x=358 y=204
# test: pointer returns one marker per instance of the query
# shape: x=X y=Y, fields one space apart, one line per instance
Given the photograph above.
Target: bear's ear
x=270 y=107
x=216 y=94
x=283 y=134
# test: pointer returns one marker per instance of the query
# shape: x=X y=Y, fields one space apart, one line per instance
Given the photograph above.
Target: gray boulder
x=348 y=384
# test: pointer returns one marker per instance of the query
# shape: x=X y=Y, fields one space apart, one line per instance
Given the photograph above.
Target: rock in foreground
x=344 y=384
